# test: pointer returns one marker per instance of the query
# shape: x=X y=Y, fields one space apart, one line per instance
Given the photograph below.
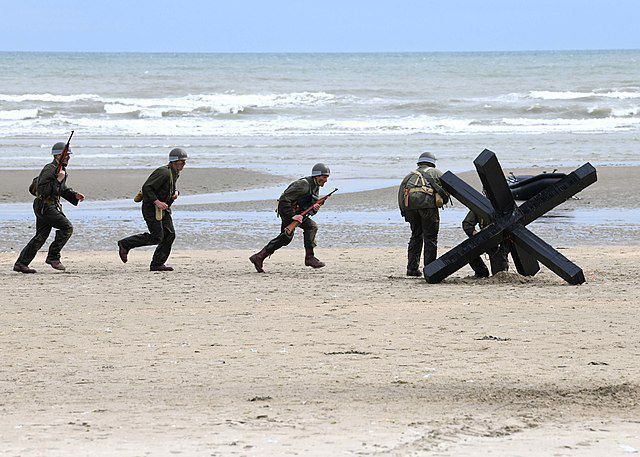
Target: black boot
x=258 y=258
x=310 y=260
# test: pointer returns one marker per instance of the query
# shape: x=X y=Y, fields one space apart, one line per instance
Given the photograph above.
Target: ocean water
x=365 y=115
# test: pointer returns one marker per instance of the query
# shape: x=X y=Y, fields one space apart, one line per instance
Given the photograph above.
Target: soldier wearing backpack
x=419 y=198
x=48 y=187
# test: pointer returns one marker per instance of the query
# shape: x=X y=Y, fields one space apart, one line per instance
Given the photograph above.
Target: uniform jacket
x=300 y=195
x=49 y=188
x=160 y=185
x=435 y=175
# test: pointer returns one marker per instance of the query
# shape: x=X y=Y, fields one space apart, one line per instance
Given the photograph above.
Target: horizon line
x=324 y=52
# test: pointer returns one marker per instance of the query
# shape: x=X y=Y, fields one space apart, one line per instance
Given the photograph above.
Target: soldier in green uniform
x=419 y=197
x=158 y=193
x=48 y=210
x=498 y=256
x=299 y=196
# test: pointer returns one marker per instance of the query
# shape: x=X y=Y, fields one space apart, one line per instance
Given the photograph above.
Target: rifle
x=289 y=229
x=64 y=154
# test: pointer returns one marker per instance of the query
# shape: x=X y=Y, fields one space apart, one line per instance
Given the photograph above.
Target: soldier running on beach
x=48 y=187
x=419 y=197
x=299 y=196
x=158 y=193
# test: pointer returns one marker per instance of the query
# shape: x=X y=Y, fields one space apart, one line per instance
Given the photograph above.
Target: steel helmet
x=58 y=148
x=177 y=154
x=427 y=157
x=320 y=169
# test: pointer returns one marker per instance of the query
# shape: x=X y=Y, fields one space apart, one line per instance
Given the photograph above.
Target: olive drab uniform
x=417 y=203
x=498 y=255
x=161 y=185
x=48 y=211
x=299 y=196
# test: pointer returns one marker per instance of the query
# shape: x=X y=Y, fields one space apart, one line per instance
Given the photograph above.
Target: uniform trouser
x=424 y=233
x=48 y=216
x=160 y=233
x=309 y=227
x=498 y=258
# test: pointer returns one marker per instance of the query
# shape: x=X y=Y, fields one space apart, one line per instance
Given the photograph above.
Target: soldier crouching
x=299 y=196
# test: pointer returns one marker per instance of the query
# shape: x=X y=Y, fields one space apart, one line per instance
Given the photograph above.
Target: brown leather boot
x=258 y=258
x=160 y=268
x=311 y=261
x=20 y=268
x=55 y=264
x=122 y=252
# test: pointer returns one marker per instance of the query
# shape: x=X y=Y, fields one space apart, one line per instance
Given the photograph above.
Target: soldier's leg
x=28 y=253
x=163 y=250
x=430 y=227
x=272 y=246
x=479 y=268
x=279 y=241
x=415 y=242
x=154 y=236
x=59 y=221
x=310 y=230
x=498 y=257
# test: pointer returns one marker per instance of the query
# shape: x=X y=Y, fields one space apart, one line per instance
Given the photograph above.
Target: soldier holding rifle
x=295 y=206
x=48 y=187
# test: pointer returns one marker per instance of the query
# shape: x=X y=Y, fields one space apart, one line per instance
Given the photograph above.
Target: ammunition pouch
x=138 y=197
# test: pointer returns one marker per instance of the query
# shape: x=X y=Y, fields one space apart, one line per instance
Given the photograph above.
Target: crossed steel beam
x=508 y=221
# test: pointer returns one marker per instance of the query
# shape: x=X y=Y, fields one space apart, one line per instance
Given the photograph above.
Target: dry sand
x=355 y=358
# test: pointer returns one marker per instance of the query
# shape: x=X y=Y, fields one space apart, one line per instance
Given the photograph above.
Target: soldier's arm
x=469 y=223
x=68 y=193
x=438 y=188
x=401 y=195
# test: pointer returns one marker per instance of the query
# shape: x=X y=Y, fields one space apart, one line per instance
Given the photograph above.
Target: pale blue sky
x=318 y=26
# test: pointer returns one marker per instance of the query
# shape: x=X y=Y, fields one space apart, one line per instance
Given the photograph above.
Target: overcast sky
x=318 y=25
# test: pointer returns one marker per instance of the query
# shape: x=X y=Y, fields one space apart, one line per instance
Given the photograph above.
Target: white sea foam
x=224 y=103
x=286 y=126
x=19 y=114
x=568 y=95
x=47 y=98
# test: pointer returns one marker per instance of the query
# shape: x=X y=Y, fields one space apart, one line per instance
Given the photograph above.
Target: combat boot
x=122 y=252
x=413 y=273
x=311 y=261
x=20 y=268
x=160 y=268
x=258 y=258
x=55 y=264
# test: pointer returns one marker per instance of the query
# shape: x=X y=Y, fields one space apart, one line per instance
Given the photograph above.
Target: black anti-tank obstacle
x=508 y=221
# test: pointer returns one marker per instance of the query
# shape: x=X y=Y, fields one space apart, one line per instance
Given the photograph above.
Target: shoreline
x=617 y=187
x=113 y=184
x=360 y=219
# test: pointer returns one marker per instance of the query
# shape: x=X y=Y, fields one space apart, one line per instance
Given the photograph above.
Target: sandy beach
x=355 y=358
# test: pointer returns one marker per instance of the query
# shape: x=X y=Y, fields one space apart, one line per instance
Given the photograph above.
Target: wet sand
x=115 y=184
x=355 y=358
x=617 y=187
